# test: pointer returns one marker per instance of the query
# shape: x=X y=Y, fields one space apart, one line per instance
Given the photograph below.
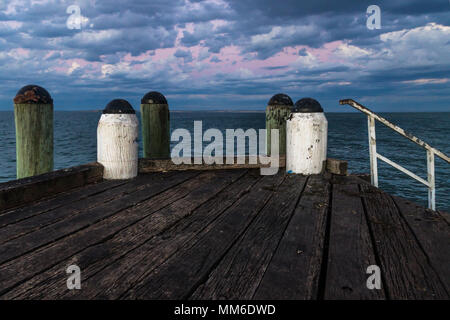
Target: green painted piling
x=277 y=111
x=33 y=117
x=155 y=118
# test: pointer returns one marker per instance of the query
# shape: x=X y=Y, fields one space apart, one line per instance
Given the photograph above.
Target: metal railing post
x=372 y=150
x=431 y=152
x=431 y=182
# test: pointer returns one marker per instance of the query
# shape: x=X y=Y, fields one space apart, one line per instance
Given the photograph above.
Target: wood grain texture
x=306 y=143
x=241 y=162
x=117 y=146
x=433 y=233
x=34 y=139
x=40 y=220
x=239 y=273
x=155 y=120
x=350 y=248
x=276 y=116
x=127 y=231
x=126 y=272
x=217 y=234
x=27 y=190
x=44 y=205
x=65 y=225
x=59 y=241
x=293 y=273
x=405 y=266
x=182 y=273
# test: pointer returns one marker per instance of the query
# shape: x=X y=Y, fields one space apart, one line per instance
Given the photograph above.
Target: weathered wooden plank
x=19 y=192
x=65 y=227
x=335 y=166
x=124 y=273
x=178 y=276
x=276 y=116
x=155 y=130
x=239 y=273
x=405 y=267
x=350 y=179
x=64 y=198
x=350 y=248
x=34 y=137
x=293 y=273
x=444 y=215
x=433 y=233
x=363 y=176
x=194 y=163
x=144 y=219
x=39 y=221
x=63 y=204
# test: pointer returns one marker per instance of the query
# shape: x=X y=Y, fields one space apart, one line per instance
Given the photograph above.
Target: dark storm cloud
x=186 y=55
x=196 y=31
x=150 y=24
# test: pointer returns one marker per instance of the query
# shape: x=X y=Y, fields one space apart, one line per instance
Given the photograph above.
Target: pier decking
x=223 y=234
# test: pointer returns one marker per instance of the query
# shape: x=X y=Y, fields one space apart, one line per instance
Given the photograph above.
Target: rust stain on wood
x=32 y=94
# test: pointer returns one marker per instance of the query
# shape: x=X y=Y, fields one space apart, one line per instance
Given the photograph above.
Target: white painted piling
x=306 y=138
x=117 y=146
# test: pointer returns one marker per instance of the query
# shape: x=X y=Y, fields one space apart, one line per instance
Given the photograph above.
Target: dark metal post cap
x=33 y=94
x=307 y=105
x=280 y=99
x=153 y=97
x=118 y=106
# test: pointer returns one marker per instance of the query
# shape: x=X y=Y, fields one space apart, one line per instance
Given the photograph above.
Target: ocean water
x=75 y=143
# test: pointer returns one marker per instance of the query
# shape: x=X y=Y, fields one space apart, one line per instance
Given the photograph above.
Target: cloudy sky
x=228 y=54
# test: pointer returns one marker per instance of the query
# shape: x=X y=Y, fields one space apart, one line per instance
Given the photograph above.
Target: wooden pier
x=216 y=234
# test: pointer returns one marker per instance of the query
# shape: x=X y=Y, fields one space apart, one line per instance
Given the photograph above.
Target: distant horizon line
x=241 y=111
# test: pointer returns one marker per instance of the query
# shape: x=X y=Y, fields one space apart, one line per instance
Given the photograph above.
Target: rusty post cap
x=119 y=106
x=153 y=97
x=33 y=94
x=307 y=105
x=281 y=99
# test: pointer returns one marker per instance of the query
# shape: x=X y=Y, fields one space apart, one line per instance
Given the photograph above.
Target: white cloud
x=307 y=61
x=11 y=24
x=424 y=46
x=348 y=51
x=427 y=81
x=74 y=66
x=93 y=37
x=282 y=32
x=429 y=33
x=421 y=46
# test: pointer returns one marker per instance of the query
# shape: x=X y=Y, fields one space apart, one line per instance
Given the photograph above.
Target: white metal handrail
x=371 y=117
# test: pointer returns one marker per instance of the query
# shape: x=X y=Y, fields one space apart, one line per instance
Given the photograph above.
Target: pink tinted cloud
x=63 y=66
x=20 y=52
x=233 y=60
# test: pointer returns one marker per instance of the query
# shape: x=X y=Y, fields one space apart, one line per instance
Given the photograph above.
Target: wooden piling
x=117 y=135
x=277 y=111
x=306 y=138
x=33 y=116
x=155 y=119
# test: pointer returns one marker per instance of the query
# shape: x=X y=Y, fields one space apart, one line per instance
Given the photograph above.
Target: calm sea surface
x=75 y=143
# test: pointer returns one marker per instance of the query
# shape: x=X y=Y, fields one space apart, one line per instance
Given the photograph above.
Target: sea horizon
x=239 y=111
